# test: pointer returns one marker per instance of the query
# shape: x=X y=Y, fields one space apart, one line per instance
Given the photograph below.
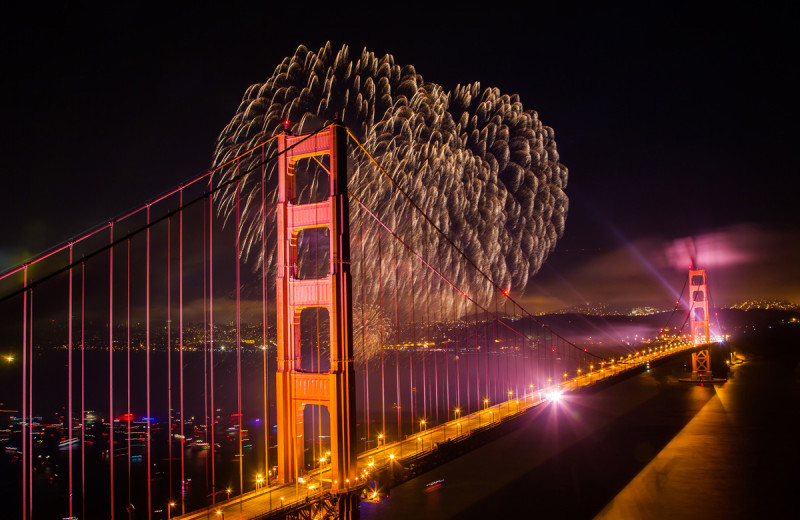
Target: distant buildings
x=780 y=305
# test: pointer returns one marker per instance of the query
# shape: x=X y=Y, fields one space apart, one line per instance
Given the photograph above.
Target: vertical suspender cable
x=458 y=357
x=477 y=360
x=364 y=334
x=69 y=384
x=397 y=341
x=148 y=419
x=496 y=374
x=111 y=367
x=25 y=418
x=436 y=358
x=446 y=343
x=506 y=349
x=30 y=403
x=466 y=355
x=169 y=361
x=128 y=414
x=83 y=389
x=205 y=337
x=211 y=410
x=437 y=343
x=238 y=335
x=412 y=352
x=485 y=326
x=426 y=321
x=380 y=340
x=264 y=319
x=180 y=347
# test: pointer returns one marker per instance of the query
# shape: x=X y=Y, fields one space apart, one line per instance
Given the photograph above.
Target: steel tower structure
x=698 y=318
x=297 y=388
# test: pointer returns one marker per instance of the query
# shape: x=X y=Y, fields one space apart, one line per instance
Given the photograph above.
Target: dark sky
x=677 y=121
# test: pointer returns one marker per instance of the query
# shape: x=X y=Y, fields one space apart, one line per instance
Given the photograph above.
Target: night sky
x=677 y=122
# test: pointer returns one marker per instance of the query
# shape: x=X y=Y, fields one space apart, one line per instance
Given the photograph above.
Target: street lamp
x=229 y=493
x=457 y=413
x=422 y=425
x=220 y=513
x=380 y=436
x=485 y=403
x=169 y=509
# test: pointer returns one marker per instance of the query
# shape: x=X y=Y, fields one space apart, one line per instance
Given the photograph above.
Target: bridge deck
x=317 y=483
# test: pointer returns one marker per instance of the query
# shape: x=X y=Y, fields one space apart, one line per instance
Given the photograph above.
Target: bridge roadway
x=316 y=483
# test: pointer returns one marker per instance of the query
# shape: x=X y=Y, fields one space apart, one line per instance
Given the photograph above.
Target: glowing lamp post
x=169 y=509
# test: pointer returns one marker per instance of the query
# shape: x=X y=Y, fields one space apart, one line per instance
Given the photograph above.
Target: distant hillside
x=781 y=305
x=615 y=330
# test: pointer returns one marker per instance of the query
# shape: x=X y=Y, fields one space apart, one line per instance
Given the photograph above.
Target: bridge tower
x=698 y=318
x=297 y=388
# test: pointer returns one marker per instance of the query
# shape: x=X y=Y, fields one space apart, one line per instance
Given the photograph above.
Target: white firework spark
x=484 y=169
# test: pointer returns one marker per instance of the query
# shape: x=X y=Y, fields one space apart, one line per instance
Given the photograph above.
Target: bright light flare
x=554 y=395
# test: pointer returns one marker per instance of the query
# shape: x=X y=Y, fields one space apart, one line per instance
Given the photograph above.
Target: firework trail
x=483 y=168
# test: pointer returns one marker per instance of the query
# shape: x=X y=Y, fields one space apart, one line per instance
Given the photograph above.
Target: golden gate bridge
x=189 y=384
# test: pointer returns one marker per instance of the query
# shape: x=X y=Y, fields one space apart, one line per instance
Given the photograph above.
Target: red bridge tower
x=698 y=318
x=296 y=388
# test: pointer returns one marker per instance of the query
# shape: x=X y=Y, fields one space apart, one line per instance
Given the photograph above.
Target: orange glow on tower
x=698 y=319
x=296 y=388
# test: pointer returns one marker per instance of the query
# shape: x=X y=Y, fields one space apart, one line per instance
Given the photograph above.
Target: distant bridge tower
x=698 y=318
x=296 y=388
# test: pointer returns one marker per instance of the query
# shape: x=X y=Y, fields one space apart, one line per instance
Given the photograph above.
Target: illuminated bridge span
x=158 y=374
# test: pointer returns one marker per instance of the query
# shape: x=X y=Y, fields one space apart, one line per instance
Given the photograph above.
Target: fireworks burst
x=483 y=168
